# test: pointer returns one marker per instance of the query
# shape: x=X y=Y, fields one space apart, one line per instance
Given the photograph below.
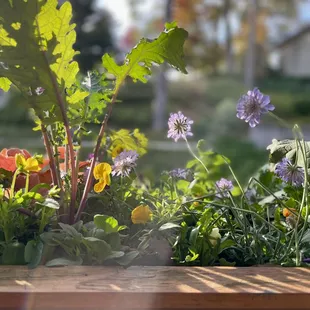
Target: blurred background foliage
x=233 y=46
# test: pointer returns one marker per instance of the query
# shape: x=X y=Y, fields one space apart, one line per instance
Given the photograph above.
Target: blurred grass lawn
x=200 y=100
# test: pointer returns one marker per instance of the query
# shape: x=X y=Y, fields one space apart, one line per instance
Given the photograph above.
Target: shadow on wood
x=95 y=288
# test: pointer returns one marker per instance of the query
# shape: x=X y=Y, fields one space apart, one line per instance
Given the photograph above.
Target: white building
x=294 y=54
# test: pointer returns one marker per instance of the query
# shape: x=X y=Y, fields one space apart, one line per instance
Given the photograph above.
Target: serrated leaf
x=77 y=96
x=5 y=84
x=134 y=141
x=167 y=47
x=36 y=37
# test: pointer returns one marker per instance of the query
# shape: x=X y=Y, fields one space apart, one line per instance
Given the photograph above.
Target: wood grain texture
x=85 y=288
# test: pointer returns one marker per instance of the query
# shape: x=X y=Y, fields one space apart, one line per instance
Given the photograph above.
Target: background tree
x=93 y=30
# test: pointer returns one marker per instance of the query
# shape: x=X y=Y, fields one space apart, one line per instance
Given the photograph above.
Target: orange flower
x=286 y=212
x=7 y=158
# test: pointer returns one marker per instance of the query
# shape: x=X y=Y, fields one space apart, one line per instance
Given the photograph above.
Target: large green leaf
x=167 y=47
x=36 y=40
x=33 y=253
x=289 y=149
x=97 y=248
x=108 y=223
x=13 y=254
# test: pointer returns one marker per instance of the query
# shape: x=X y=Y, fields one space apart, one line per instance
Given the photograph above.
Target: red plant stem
x=61 y=105
x=51 y=157
x=96 y=152
x=66 y=159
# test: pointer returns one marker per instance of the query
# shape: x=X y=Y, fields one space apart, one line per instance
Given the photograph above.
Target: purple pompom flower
x=223 y=187
x=290 y=173
x=124 y=163
x=182 y=174
x=179 y=126
x=251 y=106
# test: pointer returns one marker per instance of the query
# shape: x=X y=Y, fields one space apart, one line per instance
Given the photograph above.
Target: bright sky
x=120 y=12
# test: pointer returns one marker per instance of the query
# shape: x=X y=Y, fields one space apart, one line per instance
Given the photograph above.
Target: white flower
x=215 y=234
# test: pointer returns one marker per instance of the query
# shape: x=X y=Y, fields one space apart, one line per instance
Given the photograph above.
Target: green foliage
x=167 y=47
x=290 y=149
x=37 y=52
x=91 y=243
x=33 y=253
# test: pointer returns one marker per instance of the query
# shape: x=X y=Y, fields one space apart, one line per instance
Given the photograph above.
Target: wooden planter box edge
x=82 y=287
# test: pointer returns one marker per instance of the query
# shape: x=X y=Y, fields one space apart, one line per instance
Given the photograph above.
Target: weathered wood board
x=94 y=288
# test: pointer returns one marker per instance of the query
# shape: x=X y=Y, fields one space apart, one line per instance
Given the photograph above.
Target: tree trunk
x=250 y=60
x=228 y=42
x=161 y=87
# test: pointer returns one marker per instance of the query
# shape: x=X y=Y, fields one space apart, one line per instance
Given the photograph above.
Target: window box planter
x=94 y=288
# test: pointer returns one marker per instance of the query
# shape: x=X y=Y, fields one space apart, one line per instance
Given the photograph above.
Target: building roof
x=293 y=37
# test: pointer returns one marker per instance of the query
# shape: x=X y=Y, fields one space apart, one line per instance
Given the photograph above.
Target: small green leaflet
x=167 y=47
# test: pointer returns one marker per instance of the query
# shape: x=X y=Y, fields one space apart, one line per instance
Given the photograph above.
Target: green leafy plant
x=38 y=58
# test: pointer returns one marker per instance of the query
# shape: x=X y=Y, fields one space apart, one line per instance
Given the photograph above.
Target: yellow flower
x=117 y=150
x=141 y=214
x=102 y=173
x=28 y=165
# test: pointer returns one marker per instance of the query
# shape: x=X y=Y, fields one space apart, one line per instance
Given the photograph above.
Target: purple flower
x=90 y=156
x=184 y=174
x=289 y=173
x=251 y=106
x=223 y=187
x=179 y=126
x=124 y=163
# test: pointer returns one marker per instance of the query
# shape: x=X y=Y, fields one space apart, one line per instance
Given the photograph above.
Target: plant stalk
x=61 y=105
x=96 y=152
x=51 y=157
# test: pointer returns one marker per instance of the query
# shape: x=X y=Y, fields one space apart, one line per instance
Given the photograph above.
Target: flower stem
x=51 y=157
x=195 y=156
x=61 y=104
x=96 y=152
x=13 y=182
x=280 y=120
x=27 y=182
